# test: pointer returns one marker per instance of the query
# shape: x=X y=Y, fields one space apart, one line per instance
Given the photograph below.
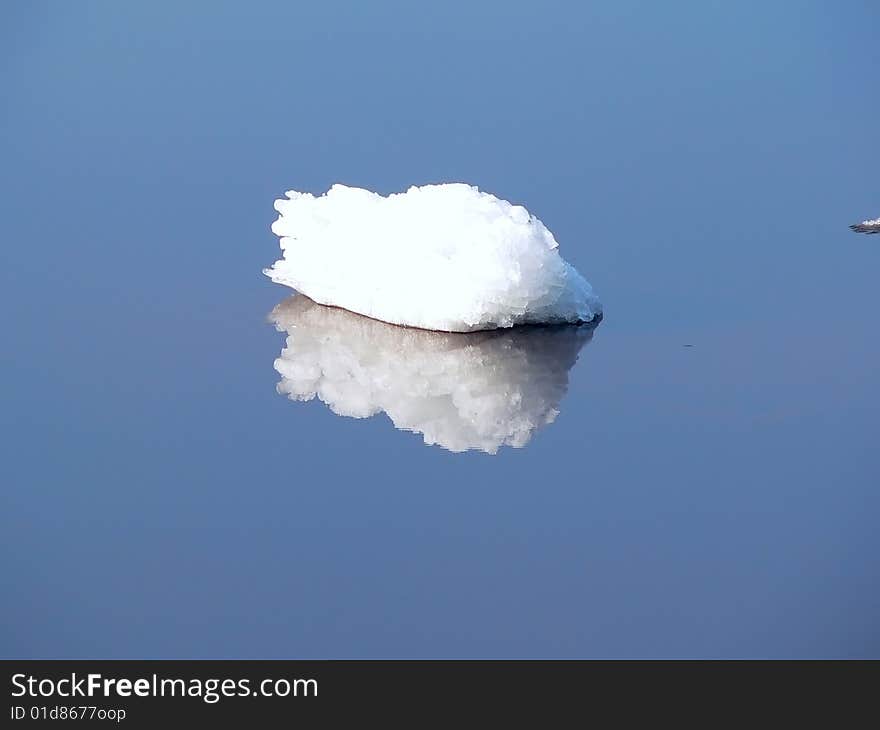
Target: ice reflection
x=480 y=390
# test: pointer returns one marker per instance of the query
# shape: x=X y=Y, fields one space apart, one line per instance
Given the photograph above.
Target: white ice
x=439 y=257
x=461 y=391
x=871 y=225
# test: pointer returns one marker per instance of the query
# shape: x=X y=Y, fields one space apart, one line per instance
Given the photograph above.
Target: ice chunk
x=461 y=391
x=868 y=226
x=439 y=257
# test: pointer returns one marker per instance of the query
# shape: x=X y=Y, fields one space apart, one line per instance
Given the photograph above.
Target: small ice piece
x=438 y=257
x=481 y=390
x=869 y=226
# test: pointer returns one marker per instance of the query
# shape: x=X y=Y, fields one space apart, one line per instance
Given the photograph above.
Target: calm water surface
x=703 y=479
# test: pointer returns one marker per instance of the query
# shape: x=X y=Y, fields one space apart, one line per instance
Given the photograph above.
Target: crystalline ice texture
x=439 y=257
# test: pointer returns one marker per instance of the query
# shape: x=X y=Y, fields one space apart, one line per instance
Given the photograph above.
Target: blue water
x=699 y=164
